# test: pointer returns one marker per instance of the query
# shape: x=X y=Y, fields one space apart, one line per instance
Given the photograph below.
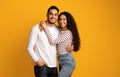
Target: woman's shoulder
x=69 y=32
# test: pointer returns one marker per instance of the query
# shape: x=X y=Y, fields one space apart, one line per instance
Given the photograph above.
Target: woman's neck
x=64 y=29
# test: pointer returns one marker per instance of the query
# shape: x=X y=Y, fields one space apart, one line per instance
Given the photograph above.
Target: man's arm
x=30 y=48
x=31 y=42
x=70 y=48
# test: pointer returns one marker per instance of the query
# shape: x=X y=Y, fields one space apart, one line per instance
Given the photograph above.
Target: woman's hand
x=43 y=23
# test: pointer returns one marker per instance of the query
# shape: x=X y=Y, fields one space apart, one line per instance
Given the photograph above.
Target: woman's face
x=63 y=21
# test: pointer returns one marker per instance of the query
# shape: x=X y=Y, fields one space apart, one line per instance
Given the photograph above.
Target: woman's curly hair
x=71 y=25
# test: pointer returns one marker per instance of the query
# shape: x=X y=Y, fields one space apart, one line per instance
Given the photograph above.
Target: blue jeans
x=67 y=65
x=44 y=71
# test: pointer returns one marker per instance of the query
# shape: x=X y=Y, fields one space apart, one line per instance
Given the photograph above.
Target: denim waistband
x=64 y=55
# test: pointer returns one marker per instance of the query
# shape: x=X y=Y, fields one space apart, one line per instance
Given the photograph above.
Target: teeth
x=52 y=19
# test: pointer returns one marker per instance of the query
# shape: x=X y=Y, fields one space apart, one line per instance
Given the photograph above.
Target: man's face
x=52 y=16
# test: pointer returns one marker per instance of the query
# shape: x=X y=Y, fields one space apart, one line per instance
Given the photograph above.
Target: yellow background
x=99 y=28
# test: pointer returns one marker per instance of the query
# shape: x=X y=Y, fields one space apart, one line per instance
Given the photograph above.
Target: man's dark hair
x=52 y=7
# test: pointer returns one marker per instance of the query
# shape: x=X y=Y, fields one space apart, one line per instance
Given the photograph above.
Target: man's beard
x=50 y=22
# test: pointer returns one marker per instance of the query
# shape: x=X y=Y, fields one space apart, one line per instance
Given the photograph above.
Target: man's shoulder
x=35 y=26
x=57 y=27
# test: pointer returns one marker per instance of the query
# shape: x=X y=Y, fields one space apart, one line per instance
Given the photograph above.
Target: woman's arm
x=61 y=37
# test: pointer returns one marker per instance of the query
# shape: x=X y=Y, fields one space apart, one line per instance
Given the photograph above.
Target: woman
x=68 y=35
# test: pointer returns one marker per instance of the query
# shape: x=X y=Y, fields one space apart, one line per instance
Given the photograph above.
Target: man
x=42 y=53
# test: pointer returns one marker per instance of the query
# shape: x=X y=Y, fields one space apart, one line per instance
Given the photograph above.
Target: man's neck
x=49 y=24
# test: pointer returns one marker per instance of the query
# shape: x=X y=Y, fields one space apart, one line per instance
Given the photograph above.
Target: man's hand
x=70 y=48
x=41 y=63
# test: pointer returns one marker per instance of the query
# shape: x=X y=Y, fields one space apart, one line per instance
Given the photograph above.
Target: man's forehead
x=53 y=11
